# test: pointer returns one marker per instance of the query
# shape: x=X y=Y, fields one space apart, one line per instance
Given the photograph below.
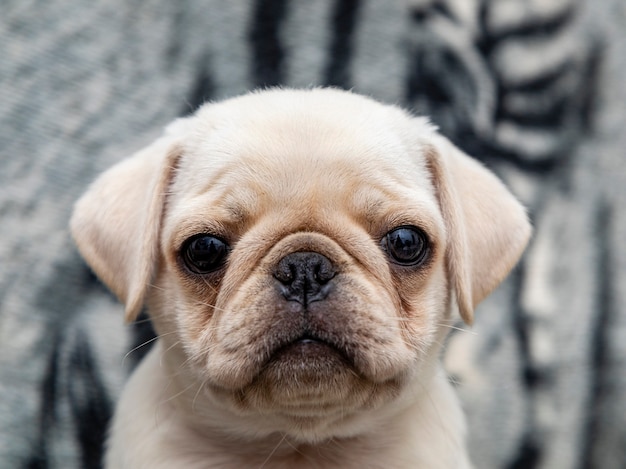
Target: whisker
x=456 y=328
x=142 y=321
x=158 y=407
x=156 y=287
x=167 y=350
x=193 y=402
x=213 y=307
x=149 y=341
x=182 y=365
x=211 y=287
x=282 y=440
x=163 y=402
x=180 y=393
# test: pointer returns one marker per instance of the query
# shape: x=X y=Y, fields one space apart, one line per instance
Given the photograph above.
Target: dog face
x=301 y=253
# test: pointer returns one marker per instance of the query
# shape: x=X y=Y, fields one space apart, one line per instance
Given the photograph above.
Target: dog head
x=301 y=252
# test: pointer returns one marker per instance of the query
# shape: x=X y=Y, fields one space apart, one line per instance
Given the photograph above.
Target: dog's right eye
x=204 y=253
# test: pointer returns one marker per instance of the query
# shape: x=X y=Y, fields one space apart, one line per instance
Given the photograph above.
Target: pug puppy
x=302 y=255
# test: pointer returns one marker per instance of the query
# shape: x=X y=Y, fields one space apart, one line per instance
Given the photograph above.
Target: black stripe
x=548 y=77
x=601 y=372
x=551 y=118
x=573 y=106
x=547 y=84
x=537 y=28
x=590 y=80
x=530 y=450
x=47 y=412
x=203 y=90
x=89 y=402
x=264 y=36
x=422 y=13
x=424 y=83
x=345 y=16
x=490 y=152
x=532 y=377
x=425 y=76
x=528 y=454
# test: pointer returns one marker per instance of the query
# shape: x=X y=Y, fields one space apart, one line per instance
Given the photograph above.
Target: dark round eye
x=204 y=253
x=406 y=245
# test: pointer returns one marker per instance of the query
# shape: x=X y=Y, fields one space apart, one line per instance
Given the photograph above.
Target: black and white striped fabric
x=533 y=88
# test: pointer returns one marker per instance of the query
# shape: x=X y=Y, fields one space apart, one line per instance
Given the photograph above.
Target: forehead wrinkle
x=319 y=188
x=379 y=206
x=300 y=172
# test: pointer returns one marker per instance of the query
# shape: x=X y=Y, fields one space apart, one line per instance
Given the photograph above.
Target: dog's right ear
x=116 y=223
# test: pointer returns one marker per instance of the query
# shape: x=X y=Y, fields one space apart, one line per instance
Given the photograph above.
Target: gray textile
x=534 y=88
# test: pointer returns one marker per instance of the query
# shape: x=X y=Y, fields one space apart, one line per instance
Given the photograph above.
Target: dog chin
x=308 y=362
x=307 y=373
x=309 y=386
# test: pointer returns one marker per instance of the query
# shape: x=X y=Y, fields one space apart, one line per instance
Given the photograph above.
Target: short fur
x=275 y=173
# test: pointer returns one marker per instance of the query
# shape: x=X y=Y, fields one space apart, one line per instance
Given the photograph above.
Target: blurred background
x=536 y=89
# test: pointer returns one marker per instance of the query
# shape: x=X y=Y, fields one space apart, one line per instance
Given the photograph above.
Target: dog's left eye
x=204 y=253
x=406 y=245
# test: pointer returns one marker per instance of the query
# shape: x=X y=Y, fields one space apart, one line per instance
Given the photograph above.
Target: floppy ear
x=116 y=223
x=487 y=227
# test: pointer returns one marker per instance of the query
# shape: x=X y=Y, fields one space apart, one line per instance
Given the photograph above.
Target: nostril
x=324 y=272
x=285 y=273
x=304 y=276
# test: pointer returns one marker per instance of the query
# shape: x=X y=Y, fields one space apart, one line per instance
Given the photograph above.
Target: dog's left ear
x=487 y=228
x=116 y=223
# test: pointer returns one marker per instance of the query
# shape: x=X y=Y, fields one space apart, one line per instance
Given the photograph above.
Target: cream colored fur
x=274 y=173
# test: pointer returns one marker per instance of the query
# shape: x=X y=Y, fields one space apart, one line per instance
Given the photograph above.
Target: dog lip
x=304 y=339
x=309 y=342
x=307 y=339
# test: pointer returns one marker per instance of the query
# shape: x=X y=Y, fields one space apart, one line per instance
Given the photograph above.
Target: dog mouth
x=310 y=351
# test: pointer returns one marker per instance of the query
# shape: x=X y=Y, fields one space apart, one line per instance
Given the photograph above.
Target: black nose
x=304 y=277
